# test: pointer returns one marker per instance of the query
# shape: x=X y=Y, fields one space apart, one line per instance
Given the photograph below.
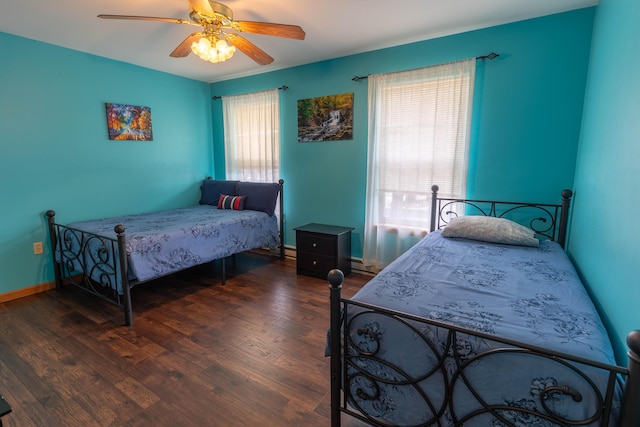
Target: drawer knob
x=314 y=245
x=315 y=263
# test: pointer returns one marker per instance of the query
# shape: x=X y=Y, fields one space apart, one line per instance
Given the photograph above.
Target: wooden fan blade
x=269 y=29
x=147 y=18
x=249 y=49
x=184 y=48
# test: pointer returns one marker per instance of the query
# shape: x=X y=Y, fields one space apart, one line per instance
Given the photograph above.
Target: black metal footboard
x=451 y=384
x=94 y=263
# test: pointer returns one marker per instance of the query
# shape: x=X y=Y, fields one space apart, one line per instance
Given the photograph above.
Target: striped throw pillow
x=231 y=202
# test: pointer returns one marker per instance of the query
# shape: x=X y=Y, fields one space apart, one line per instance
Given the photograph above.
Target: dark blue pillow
x=211 y=189
x=261 y=196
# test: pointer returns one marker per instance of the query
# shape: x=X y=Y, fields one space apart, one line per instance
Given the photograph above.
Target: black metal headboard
x=547 y=220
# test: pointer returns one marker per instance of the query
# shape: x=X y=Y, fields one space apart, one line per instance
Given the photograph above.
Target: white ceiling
x=334 y=28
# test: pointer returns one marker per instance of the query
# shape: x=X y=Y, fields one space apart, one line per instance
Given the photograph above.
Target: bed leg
x=630 y=414
x=281 y=182
x=124 y=275
x=128 y=309
x=53 y=239
x=223 y=265
x=335 y=277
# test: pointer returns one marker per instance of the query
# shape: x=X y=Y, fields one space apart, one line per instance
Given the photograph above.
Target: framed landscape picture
x=129 y=122
x=326 y=118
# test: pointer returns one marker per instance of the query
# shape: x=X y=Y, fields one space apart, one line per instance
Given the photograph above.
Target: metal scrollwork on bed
x=547 y=220
x=362 y=377
x=447 y=371
x=90 y=261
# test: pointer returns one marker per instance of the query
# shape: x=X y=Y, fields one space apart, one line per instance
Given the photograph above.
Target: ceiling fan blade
x=269 y=29
x=147 y=18
x=249 y=49
x=184 y=48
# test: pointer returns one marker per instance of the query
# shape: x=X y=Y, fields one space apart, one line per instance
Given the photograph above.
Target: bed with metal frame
x=372 y=372
x=101 y=264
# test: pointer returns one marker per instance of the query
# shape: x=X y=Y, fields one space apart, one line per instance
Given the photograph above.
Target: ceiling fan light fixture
x=213 y=49
x=213 y=43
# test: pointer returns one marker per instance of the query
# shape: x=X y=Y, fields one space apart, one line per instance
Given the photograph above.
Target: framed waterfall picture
x=327 y=118
x=129 y=122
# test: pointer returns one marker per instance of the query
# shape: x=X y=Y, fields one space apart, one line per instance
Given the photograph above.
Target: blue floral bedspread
x=529 y=295
x=163 y=242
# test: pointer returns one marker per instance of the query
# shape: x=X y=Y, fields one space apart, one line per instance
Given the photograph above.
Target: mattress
x=163 y=242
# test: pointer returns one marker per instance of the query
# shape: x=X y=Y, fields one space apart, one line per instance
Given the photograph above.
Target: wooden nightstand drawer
x=317 y=264
x=316 y=243
x=321 y=248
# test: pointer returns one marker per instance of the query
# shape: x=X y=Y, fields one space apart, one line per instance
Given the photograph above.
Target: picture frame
x=326 y=118
x=129 y=122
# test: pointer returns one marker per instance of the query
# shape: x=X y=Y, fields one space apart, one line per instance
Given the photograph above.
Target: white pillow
x=490 y=229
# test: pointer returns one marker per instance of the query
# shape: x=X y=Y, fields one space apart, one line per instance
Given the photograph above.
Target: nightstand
x=320 y=248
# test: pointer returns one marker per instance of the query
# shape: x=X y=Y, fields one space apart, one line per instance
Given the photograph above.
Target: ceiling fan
x=215 y=43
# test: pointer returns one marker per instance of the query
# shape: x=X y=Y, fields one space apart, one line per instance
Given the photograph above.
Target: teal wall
x=526 y=120
x=55 y=152
x=605 y=232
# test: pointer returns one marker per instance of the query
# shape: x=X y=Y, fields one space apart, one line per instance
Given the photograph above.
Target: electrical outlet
x=37 y=248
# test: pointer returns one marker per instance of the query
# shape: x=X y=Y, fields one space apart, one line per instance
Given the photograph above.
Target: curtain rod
x=490 y=56
x=279 y=88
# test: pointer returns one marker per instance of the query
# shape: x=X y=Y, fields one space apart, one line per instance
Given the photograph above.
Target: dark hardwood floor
x=249 y=353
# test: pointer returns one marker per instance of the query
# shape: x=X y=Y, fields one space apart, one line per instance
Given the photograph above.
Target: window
x=418 y=136
x=252 y=136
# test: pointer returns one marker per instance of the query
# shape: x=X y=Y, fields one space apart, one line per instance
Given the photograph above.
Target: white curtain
x=419 y=123
x=252 y=136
